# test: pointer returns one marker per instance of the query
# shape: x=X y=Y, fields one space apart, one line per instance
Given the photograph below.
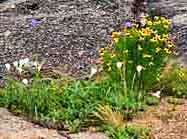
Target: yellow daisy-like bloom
x=163 y=18
x=116 y=40
x=166 y=26
x=101 y=50
x=157 y=37
x=115 y=34
x=167 y=50
x=181 y=74
x=156 y=18
x=157 y=22
x=149 y=23
x=170 y=45
x=158 y=49
x=153 y=39
x=165 y=36
x=127 y=34
x=146 y=56
x=146 y=31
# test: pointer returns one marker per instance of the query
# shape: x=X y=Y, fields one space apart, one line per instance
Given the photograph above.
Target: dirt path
x=166 y=121
x=12 y=127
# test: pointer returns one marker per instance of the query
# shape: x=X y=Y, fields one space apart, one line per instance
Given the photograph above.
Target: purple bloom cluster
x=127 y=23
x=34 y=22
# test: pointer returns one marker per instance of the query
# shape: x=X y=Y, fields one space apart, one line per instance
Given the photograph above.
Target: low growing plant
x=174 y=81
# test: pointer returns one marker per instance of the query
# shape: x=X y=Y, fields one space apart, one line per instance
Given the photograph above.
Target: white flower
x=157 y=94
x=16 y=64
x=25 y=81
x=8 y=66
x=119 y=65
x=139 y=68
x=37 y=65
x=93 y=71
x=23 y=62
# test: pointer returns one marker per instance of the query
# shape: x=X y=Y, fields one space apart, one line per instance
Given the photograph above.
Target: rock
x=75 y=26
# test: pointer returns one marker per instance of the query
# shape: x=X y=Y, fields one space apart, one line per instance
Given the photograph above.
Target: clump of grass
x=110 y=116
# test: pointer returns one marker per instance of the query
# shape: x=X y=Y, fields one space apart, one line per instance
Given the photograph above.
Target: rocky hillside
x=61 y=31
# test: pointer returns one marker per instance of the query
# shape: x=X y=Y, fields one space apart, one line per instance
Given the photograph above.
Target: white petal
x=25 y=81
x=139 y=68
x=8 y=66
x=119 y=65
x=93 y=71
x=15 y=63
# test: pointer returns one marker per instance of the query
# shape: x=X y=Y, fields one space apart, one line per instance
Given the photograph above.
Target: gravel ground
x=166 y=121
x=13 y=127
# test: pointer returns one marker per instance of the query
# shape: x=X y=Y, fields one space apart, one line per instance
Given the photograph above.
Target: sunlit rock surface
x=66 y=32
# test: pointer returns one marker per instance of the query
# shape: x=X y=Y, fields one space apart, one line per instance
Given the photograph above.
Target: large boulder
x=66 y=32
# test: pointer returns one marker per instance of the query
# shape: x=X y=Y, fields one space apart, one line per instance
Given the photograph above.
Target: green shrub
x=39 y=99
x=137 y=54
x=127 y=132
x=174 y=81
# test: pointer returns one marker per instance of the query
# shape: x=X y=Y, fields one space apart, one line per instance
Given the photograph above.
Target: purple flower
x=127 y=23
x=34 y=22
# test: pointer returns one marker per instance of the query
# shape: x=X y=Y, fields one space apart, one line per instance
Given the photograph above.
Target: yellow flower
x=149 y=23
x=166 y=26
x=153 y=39
x=157 y=37
x=181 y=74
x=167 y=50
x=127 y=34
x=165 y=36
x=115 y=34
x=156 y=18
x=116 y=40
x=170 y=45
x=102 y=54
x=101 y=50
x=158 y=49
x=146 y=31
x=157 y=22
x=146 y=56
x=163 y=18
